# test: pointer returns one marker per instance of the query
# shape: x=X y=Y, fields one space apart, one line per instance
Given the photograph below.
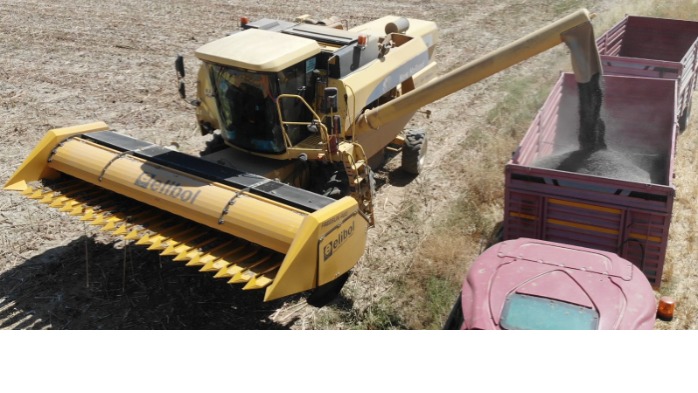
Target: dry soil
x=71 y=62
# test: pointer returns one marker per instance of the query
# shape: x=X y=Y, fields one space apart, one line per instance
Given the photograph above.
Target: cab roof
x=259 y=50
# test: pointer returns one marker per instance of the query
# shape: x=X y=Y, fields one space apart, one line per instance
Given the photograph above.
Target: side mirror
x=179 y=66
x=182 y=90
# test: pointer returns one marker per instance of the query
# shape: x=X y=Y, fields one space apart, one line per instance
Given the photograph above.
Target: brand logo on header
x=338 y=241
x=169 y=188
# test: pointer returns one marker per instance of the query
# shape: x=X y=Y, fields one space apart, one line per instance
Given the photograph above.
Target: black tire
x=215 y=144
x=496 y=236
x=325 y=293
x=334 y=181
x=413 y=151
x=683 y=119
x=455 y=319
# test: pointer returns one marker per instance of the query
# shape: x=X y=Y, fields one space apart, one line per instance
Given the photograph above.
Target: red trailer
x=585 y=230
x=656 y=48
x=619 y=200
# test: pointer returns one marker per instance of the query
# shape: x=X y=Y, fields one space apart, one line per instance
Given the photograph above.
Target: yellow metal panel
x=207 y=110
x=339 y=246
x=258 y=282
x=299 y=270
x=35 y=166
x=262 y=221
x=259 y=50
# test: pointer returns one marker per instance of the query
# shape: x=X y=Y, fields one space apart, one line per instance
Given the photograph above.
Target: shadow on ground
x=59 y=290
x=400 y=178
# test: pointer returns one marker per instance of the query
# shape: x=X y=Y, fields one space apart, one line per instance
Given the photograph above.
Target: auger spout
x=575 y=30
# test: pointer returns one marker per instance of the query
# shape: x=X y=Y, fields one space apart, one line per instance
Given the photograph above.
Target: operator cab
x=246 y=103
x=247 y=72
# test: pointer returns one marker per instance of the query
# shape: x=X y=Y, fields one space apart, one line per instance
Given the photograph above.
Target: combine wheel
x=335 y=185
x=215 y=144
x=324 y=294
x=414 y=151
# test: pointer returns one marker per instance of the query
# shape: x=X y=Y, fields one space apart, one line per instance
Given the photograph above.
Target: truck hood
x=581 y=277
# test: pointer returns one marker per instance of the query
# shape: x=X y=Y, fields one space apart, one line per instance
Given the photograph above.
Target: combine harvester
x=305 y=109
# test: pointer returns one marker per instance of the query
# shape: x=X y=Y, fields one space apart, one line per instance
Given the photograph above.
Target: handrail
x=324 y=134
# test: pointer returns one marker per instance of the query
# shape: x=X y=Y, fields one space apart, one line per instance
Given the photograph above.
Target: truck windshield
x=247 y=107
x=538 y=313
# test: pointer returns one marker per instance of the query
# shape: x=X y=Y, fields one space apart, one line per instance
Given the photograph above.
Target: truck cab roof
x=536 y=284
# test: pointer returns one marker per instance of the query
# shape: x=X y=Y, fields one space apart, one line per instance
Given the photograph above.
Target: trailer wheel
x=413 y=151
x=496 y=236
x=327 y=292
x=455 y=318
x=683 y=119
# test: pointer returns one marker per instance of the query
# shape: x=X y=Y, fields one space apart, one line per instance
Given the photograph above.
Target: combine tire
x=324 y=294
x=215 y=144
x=414 y=151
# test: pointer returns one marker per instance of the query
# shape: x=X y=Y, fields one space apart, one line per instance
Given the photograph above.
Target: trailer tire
x=455 y=318
x=683 y=119
x=496 y=236
x=413 y=151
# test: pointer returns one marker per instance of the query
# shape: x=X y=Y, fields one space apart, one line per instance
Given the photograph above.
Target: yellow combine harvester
x=304 y=109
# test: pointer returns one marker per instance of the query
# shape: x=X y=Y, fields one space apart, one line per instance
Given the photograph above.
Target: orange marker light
x=244 y=21
x=363 y=40
x=665 y=310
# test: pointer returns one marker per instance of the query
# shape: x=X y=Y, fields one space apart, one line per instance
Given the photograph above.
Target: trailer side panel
x=629 y=218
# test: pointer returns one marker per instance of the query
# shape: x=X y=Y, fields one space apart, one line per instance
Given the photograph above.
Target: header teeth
x=28 y=191
x=35 y=195
x=234 y=259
